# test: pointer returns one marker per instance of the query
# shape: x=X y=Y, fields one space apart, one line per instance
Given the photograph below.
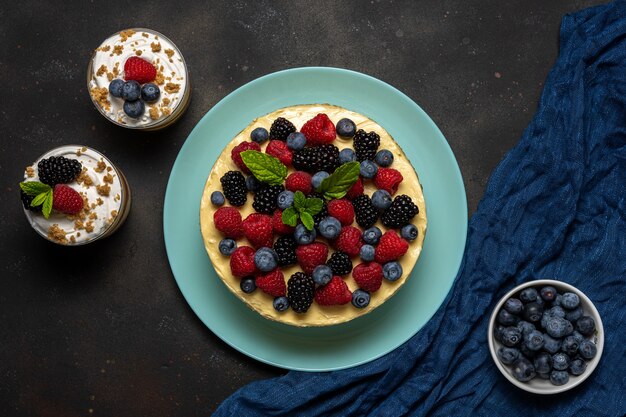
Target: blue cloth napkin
x=554 y=208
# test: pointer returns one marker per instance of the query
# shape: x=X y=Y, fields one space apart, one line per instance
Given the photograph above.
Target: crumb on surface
x=172 y=88
x=156 y=46
x=105 y=48
x=113 y=213
x=102 y=70
x=108 y=178
x=72 y=239
x=125 y=34
x=89 y=226
x=118 y=49
x=159 y=79
x=103 y=189
x=84 y=178
x=154 y=112
x=93 y=216
x=101 y=166
x=166 y=101
x=57 y=234
x=99 y=201
x=138 y=52
x=101 y=96
x=30 y=171
x=169 y=53
x=166 y=111
x=145 y=35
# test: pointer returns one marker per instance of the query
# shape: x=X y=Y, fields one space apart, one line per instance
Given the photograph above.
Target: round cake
x=369 y=267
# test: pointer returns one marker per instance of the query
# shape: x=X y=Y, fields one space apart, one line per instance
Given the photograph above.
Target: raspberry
x=342 y=210
x=139 y=69
x=300 y=292
x=336 y=292
x=340 y=263
x=234 y=187
x=317 y=158
x=235 y=154
x=257 y=228
x=320 y=130
x=299 y=181
x=365 y=145
x=272 y=283
x=400 y=212
x=349 y=240
x=279 y=150
x=242 y=262
x=265 y=198
x=228 y=221
x=388 y=179
x=27 y=199
x=58 y=170
x=278 y=225
x=365 y=212
x=390 y=247
x=285 y=248
x=311 y=255
x=356 y=190
x=66 y=199
x=368 y=276
x=281 y=128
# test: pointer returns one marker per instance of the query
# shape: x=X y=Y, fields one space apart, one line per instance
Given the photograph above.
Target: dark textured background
x=103 y=330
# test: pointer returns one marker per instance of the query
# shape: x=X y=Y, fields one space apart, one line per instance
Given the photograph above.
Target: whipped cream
x=108 y=63
x=100 y=186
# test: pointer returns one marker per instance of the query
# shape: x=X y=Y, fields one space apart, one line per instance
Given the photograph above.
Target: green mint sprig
x=337 y=184
x=304 y=209
x=264 y=167
x=42 y=193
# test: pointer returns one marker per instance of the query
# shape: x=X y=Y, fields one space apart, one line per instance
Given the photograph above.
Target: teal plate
x=365 y=338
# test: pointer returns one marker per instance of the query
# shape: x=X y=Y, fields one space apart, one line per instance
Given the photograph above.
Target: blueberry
x=548 y=293
x=346 y=128
x=575 y=314
x=497 y=332
x=296 y=141
x=346 y=155
x=409 y=232
x=557 y=311
x=281 y=303
x=586 y=325
x=368 y=169
x=252 y=184
x=227 y=246
x=508 y=355
x=392 y=271
x=529 y=354
x=533 y=312
x=559 y=377
x=525 y=327
x=285 y=199
x=577 y=367
x=550 y=344
x=372 y=235
x=578 y=337
x=131 y=90
x=322 y=274
x=329 y=227
x=384 y=158
x=543 y=376
x=511 y=336
x=513 y=306
x=259 y=135
x=304 y=236
x=523 y=370
x=560 y=361
x=570 y=300
x=542 y=363
x=265 y=259
x=115 y=87
x=506 y=318
x=318 y=177
x=381 y=199
x=557 y=300
x=558 y=327
x=534 y=340
x=247 y=285
x=570 y=345
x=134 y=109
x=150 y=92
x=587 y=349
x=217 y=198
x=540 y=301
x=367 y=253
x=528 y=295
x=360 y=298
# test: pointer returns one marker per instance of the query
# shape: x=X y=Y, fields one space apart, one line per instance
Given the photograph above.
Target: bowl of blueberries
x=546 y=336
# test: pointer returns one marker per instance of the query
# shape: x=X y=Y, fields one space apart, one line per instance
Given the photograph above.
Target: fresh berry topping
x=281 y=128
x=356 y=189
x=381 y=199
x=285 y=248
x=265 y=259
x=235 y=154
x=392 y=271
x=134 y=109
x=228 y=221
x=280 y=304
x=342 y=210
x=279 y=150
x=66 y=199
x=323 y=212
x=311 y=255
x=257 y=228
x=248 y=285
x=296 y=141
x=217 y=198
x=388 y=179
x=300 y=292
x=139 y=69
x=58 y=170
x=278 y=225
x=299 y=181
x=322 y=274
x=320 y=130
x=336 y=292
x=346 y=155
x=242 y=262
x=265 y=199
x=372 y=235
x=349 y=241
x=115 y=87
x=365 y=212
x=368 y=169
x=150 y=92
x=318 y=158
x=330 y=228
x=360 y=298
x=27 y=199
x=285 y=199
x=340 y=263
x=252 y=184
x=131 y=91
x=304 y=236
x=367 y=253
x=234 y=187
x=400 y=212
x=383 y=158
x=346 y=128
x=259 y=135
x=368 y=276
x=272 y=283
x=409 y=232
x=390 y=247
x=365 y=145
x=227 y=246
x=317 y=178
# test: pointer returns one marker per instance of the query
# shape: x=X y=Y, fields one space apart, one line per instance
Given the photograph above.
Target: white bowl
x=538 y=385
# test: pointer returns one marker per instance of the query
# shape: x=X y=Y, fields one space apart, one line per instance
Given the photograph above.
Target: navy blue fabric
x=554 y=208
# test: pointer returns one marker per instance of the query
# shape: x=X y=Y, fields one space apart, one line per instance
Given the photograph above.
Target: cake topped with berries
x=313 y=215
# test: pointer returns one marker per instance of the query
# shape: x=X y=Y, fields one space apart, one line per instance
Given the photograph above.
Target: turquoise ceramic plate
x=362 y=339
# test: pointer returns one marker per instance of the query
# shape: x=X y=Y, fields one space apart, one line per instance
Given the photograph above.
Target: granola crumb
x=110 y=76
x=166 y=101
x=156 y=46
x=118 y=49
x=169 y=53
x=57 y=234
x=166 y=111
x=125 y=34
x=78 y=224
x=99 y=201
x=30 y=171
x=77 y=234
x=145 y=35
x=103 y=189
x=113 y=213
x=72 y=239
x=109 y=169
x=101 y=166
x=92 y=205
x=105 y=48
x=89 y=227
x=108 y=178
x=84 y=178
x=172 y=88
x=101 y=96
x=154 y=112
x=93 y=216
x=102 y=70
x=159 y=79
x=138 y=53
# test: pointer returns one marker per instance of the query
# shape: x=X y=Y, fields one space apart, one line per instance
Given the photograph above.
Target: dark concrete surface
x=103 y=330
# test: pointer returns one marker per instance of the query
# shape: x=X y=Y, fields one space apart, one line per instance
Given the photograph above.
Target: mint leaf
x=34 y=188
x=299 y=201
x=307 y=220
x=47 y=204
x=339 y=182
x=37 y=201
x=290 y=217
x=313 y=205
x=264 y=167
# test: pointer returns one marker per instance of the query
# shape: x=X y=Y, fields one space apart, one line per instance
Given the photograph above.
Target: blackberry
x=400 y=212
x=340 y=263
x=281 y=128
x=58 y=170
x=365 y=145
x=234 y=187
x=26 y=200
x=300 y=292
x=265 y=198
x=364 y=211
x=317 y=158
x=285 y=247
x=317 y=218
